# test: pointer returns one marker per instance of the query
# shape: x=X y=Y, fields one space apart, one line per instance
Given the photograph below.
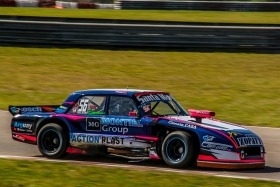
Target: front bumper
x=243 y=158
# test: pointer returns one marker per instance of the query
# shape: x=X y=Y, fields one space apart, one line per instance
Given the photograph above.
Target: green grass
x=32 y=174
x=241 y=88
x=185 y=16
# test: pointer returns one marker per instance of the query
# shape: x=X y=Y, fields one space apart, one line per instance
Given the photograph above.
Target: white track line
x=133 y=167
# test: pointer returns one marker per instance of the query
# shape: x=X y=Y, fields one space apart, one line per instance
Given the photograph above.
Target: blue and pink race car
x=137 y=125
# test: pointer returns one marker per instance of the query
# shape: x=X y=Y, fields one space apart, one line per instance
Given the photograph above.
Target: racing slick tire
x=178 y=149
x=52 y=141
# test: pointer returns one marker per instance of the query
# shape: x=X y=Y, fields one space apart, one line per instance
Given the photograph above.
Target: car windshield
x=164 y=108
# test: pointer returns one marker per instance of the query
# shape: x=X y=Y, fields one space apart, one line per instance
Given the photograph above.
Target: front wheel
x=52 y=141
x=178 y=149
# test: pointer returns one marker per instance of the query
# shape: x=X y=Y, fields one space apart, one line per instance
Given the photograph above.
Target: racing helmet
x=146 y=107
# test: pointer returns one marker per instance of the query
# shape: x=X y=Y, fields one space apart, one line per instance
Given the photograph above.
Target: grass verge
x=158 y=15
x=37 y=173
x=241 y=88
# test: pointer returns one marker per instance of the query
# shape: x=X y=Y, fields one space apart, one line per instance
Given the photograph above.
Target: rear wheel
x=52 y=141
x=178 y=149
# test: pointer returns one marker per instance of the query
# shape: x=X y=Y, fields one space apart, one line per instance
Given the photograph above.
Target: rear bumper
x=235 y=165
x=31 y=139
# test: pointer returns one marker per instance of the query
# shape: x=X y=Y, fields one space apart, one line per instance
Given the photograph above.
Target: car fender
x=206 y=137
x=53 y=119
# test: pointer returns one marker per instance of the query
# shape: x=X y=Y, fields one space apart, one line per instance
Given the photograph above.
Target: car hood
x=240 y=135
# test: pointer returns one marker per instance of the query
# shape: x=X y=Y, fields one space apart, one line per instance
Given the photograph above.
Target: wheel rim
x=176 y=149
x=51 y=141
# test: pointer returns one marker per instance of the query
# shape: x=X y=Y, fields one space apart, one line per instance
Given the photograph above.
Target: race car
x=137 y=125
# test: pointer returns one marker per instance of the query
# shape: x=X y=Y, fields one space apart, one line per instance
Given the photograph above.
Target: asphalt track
x=270 y=136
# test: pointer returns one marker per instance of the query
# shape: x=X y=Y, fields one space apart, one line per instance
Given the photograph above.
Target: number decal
x=83 y=103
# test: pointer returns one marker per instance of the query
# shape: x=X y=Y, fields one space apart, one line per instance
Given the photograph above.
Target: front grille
x=250 y=153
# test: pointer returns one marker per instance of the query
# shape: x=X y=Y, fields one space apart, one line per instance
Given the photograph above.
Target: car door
x=122 y=118
x=112 y=125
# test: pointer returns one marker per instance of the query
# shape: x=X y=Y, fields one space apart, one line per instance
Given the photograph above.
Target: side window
x=92 y=105
x=121 y=106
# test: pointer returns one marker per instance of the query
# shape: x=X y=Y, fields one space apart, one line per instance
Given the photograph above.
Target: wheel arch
x=196 y=142
x=162 y=133
x=58 y=121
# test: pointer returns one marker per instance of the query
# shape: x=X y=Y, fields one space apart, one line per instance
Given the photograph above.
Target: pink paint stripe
x=154 y=157
x=197 y=124
x=69 y=103
x=147 y=138
x=206 y=157
x=233 y=142
x=74 y=150
x=30 y=138
x=70 y=116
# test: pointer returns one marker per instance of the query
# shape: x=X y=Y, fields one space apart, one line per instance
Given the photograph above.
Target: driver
x=146 y=108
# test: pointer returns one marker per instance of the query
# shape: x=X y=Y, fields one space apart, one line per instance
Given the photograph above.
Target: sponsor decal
x=21 y=138
x=96 y=139
x=106 y=128
x=93 y=124
x=202 y=112
x=233 y=135
x=48 y=109
x=208 y=138
x=118 y=125
x=153 y=97
x=15 y=110
x=91 y=112
x=85 y=138
x=247 y=139
x=218 y=146
x=112 y=140
x=244 y=141
x=121 y=122
x=192 y=126
x=31 y=109
x=207 y=143
x=23 y=125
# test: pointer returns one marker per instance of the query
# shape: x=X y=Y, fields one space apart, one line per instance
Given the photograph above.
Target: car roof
x=128 y=92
